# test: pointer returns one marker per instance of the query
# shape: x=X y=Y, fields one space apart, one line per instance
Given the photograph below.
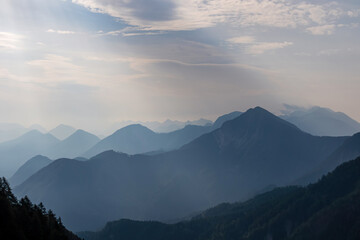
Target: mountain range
x=131 y=139
x=161 y=127
x=13 y=154
x=242 y=157
x=323 y=121
x=16 y=152
x=11 y=131
x=327 y=210
x=136 y=139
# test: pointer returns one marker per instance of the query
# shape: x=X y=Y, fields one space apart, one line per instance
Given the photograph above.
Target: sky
x=91 y=63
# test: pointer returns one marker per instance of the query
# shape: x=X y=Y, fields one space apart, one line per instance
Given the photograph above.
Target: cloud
x=60 y=31
x=322 y=30
x=329 y=52
x=170 y=15
x=56 y=68
x=353 y=13
x=242 y=40
x=131 y=31
x=255 y=48
x=10 y=41
x=260 y=48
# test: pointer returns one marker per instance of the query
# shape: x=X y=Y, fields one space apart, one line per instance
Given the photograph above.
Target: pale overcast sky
x=90 y=63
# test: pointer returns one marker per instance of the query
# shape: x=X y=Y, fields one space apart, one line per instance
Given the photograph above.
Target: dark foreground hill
x=327 y=210
x=21 y=220
x=232 y=163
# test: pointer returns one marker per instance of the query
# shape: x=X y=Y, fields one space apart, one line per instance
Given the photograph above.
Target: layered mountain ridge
x=232 y=163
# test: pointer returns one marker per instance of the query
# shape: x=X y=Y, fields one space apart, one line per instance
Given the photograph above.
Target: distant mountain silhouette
x=11 y=131
x=38 y=127
x=131 y=139
x=16 y=152
x=162 y=127
x=323 y=122
x=62 y=131
x=244 y=156
x=136 y=139
x=74 y=145
x=28 y=169
x=327 y=210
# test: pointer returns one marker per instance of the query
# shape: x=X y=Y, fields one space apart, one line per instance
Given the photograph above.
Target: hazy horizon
x=90 y=63
x=113 y=126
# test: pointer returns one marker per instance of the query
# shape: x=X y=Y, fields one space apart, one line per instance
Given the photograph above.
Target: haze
x=91 y=63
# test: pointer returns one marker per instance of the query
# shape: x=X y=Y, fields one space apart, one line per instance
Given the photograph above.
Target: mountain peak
x=33 y=133
x=82 y=133
x=136 y=128
x=109 y=154
x=62 y=131
x=261 y=110
x=258 y=116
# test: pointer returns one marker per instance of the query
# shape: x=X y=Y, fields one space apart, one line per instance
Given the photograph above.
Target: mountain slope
x=62 y=131
x=15 y=153
x=74 y=145
x=227 y=117
x=232 y=163
x=10 y=131
x=323 y=122
x=326 y=210
x=25 y=221
x=29 y=168
x=347 y=151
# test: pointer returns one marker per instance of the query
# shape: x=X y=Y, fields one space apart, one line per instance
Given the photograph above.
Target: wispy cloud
x=254 y=47
x=322 y=30
x=260 y=48
x=132 y=31
x=195 y=14
x=10 y=41
x=56 y=68
x=242 y=40
x=60 y=31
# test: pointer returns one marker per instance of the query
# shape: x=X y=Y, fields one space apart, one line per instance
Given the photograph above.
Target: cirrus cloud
x=255 y=48
x=322 y=30
x=175 y=15
x=10 y=41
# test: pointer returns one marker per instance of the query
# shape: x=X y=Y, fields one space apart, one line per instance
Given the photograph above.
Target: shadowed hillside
x=327 y=210
x=25 y=221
